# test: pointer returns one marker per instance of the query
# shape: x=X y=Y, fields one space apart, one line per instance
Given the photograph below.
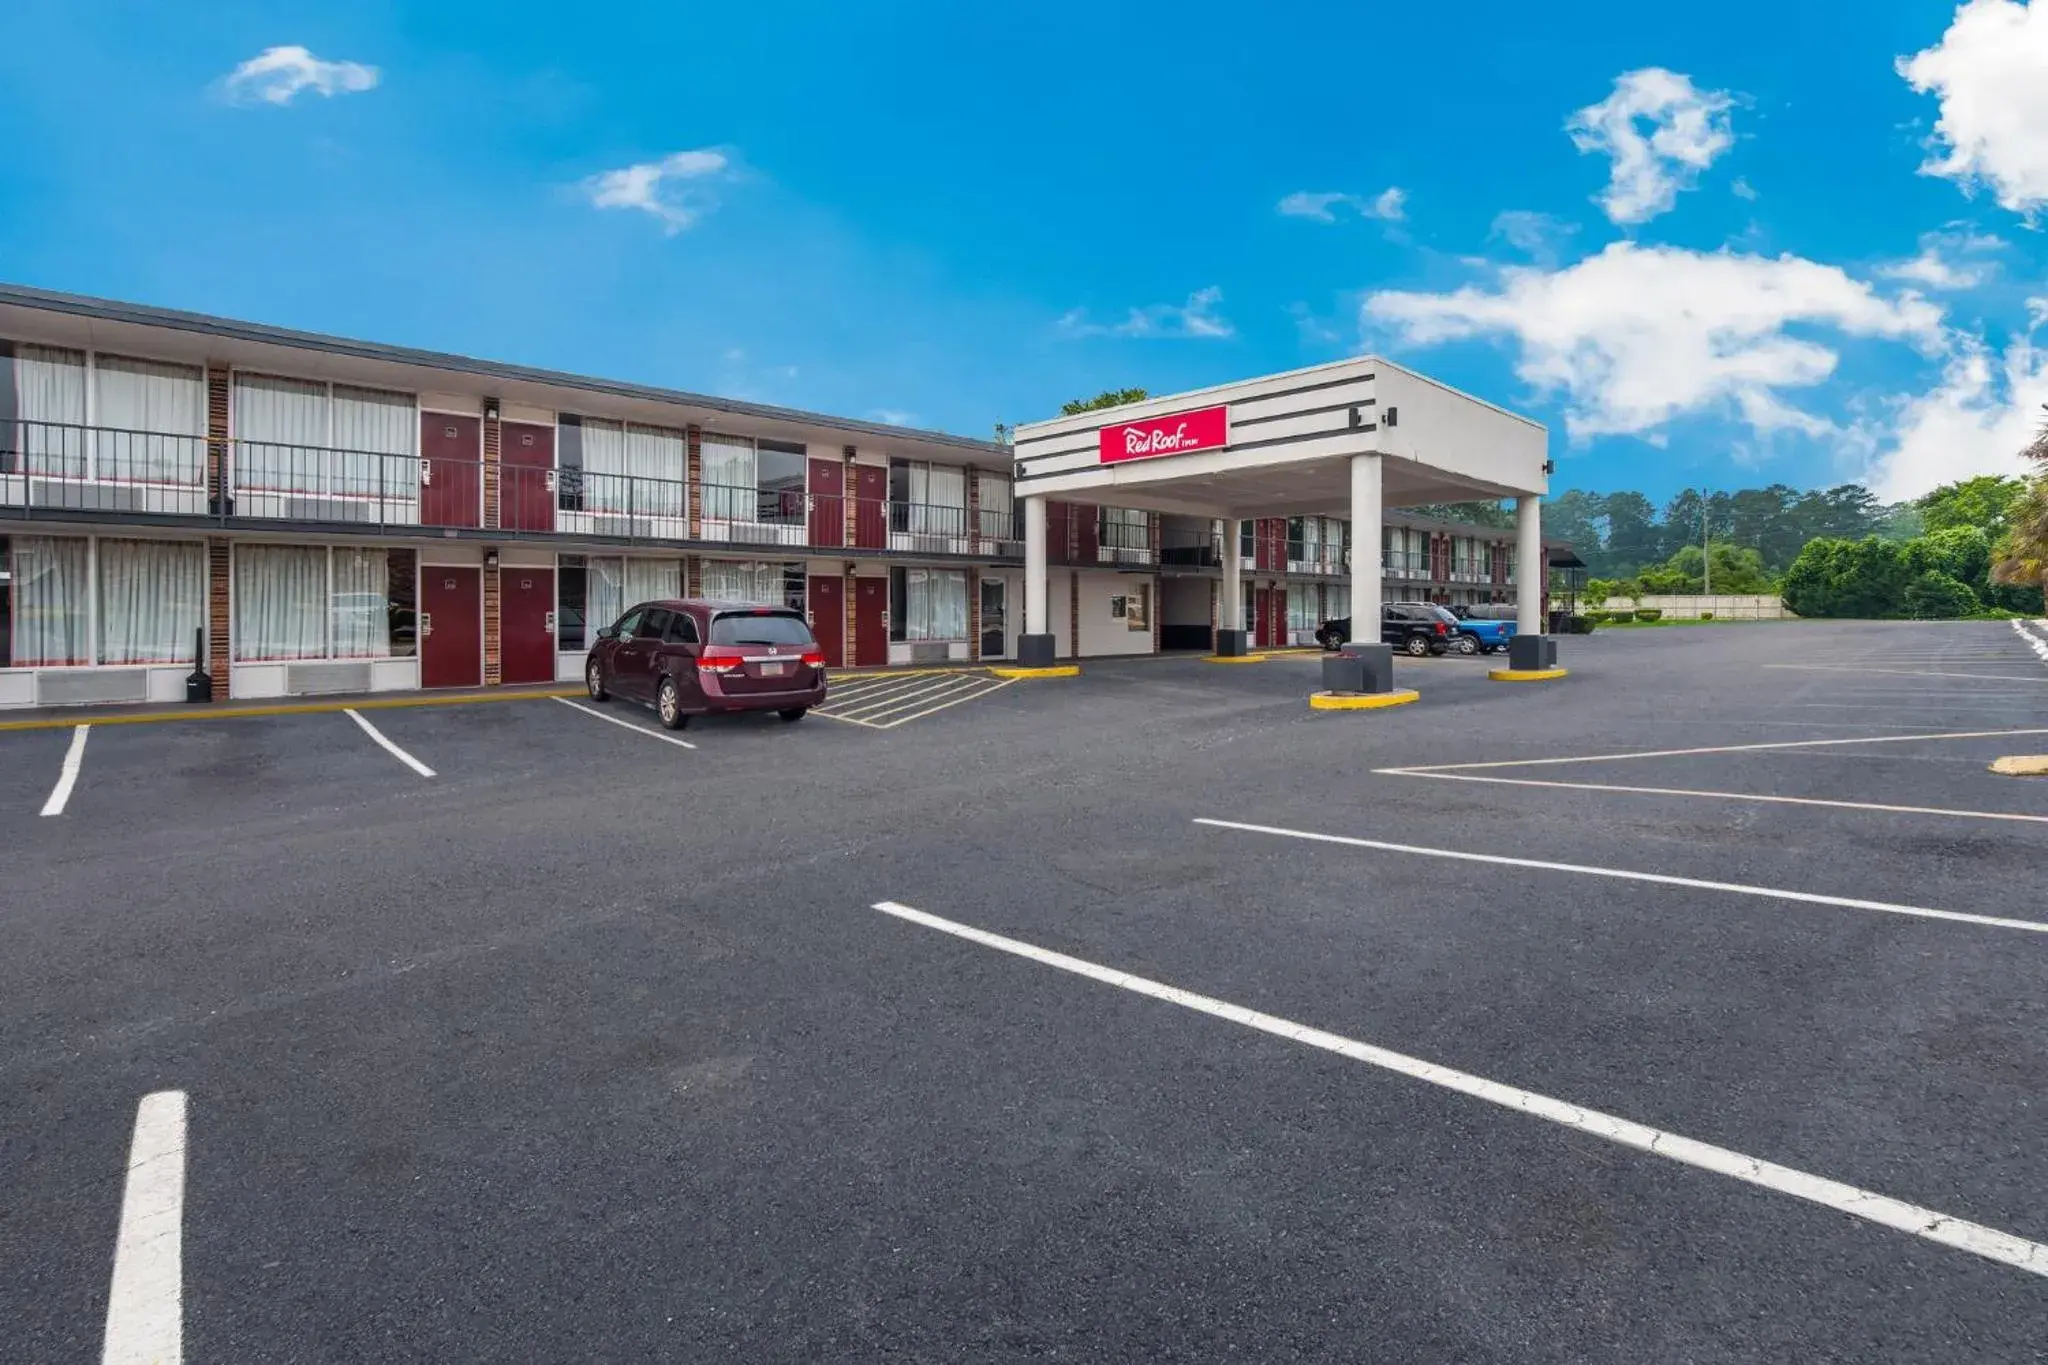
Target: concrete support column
x=1230 y=635
x=1367 y=518
x=1035 y=647
x=1531 y=582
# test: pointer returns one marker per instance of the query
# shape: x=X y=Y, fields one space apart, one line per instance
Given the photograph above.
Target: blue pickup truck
x=1484 y=629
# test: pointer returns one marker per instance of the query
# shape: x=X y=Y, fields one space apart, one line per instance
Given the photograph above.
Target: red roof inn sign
x=1175 y=434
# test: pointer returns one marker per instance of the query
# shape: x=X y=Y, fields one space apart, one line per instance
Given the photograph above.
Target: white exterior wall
x=1454 y=431
x=1103 y=634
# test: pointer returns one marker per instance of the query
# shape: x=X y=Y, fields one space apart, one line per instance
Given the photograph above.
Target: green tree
x=1848 y=578
x=1633 y=535
x=1983 y=502
x=1936 y=596
x=1578 y=518
x=1476 y=514
x=1108 y=398
x=1961 y=552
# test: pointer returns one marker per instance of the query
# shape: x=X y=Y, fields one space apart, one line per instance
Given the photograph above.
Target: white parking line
x=636 y=729
x=868 y=709
x=374 y=733
x=2034 y=642
x=145 y=1314
x=1658 y=878
x=954 y=701
x=1974 y=1238
x=67 y=775
x=1908 y=672
x=1738 y=796
x=1711 y=749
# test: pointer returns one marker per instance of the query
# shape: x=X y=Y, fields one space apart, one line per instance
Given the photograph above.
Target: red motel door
x=827 y=600
x=526 y=625
x=452 y=626
x=870 y=622
x=871 y=506
x=828 y=502
x=526 y=477
x=451 y=469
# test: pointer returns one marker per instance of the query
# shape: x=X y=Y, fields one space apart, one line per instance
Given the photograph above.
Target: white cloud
x=1944 y=261
x=1636 y=336
x=1742 y=189
x=1990 y=74
x=892 y=417
x=673 y=189
x=1987 y=409
x=1388 y=206
x=1686 y=127
x=1195 y=318
x=1536 y=234
x=277 y=74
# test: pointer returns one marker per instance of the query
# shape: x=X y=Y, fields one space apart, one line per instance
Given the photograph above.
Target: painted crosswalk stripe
x=145 y=1306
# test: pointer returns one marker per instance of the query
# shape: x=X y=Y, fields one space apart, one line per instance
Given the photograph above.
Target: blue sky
x=1761 y=248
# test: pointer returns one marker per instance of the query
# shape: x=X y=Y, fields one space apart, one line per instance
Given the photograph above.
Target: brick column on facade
x=848 y=609
x=218 y=389
x=494 y=436
x=1158 y=602
x=493 y=661
x=217 y=627
x=973 y=599
x=693 y=473
x=849 y=485
x=973 y=513
x=693 y=575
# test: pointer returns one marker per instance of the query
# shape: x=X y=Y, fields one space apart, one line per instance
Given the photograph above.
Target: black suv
x=1414 y=628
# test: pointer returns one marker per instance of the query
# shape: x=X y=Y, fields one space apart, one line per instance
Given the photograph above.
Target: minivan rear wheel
x=668 y=704
x=593 y=678
x=793 y=714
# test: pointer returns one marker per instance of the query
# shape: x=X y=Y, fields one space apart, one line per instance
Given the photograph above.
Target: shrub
x=1706 y=616
x=1579 y=625
x=1936 y=596
x=1649 y=614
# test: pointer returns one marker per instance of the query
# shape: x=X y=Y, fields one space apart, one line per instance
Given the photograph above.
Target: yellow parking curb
x=1233 y=658
x=1527 y=674
x=1360 y=701
x=303 y=708
x=1059 y=671
x=2022 y=765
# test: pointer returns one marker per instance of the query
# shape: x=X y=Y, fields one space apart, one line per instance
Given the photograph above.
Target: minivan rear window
x=769 y=628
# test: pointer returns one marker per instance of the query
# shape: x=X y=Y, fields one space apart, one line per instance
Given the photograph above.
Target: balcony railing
x=64 y=469
x=1318 y=559
x=1190 y=549
x=1123 y=542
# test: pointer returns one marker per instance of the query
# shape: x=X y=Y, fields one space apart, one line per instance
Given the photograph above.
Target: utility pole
x=1706 y=550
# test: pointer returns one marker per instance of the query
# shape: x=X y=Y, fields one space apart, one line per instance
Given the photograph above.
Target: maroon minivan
x=688 y=658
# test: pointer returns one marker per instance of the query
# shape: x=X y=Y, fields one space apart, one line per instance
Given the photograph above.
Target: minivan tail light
x=719 y=659
x=815 y=657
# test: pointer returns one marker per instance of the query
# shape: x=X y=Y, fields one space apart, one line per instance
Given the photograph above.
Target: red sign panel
x=1177 y=434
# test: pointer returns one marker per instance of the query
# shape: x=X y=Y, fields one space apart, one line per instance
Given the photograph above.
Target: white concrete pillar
x=1532 y=578
x=1367 y=518
x=1034 y=566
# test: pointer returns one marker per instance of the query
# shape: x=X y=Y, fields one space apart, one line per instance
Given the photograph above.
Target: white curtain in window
x=150 y=420
x=376 y=436
x=281 y=433
x=49 y=386
x=280 y=602
x=731 y=474
x=659 y=461
x=604 y=587
x=1301 y=606
x=647 y=579
x=946 y=496
x=50 y=607
x=361 y=605
x=605 y=485
x=152 y=600
x=1338 y=600
x=994 y=496
x=935 y=601
x=728 y=582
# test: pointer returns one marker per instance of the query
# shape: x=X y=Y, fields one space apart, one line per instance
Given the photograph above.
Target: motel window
x=755 y=481
x=927 y=499
x=763 y=583
x=1336 y=602
x=308 y=436
x=1303 y=606
x=927 y=604
x=150 y=421
x=621 y=468
x=1124 y=529
x=996 y=507
x=76 y=600
x=45 y=388
x=1247 y=547
x=324 y=602
x=593 y=591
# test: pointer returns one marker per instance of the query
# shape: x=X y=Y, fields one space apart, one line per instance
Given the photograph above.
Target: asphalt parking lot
x=1686 y=1009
